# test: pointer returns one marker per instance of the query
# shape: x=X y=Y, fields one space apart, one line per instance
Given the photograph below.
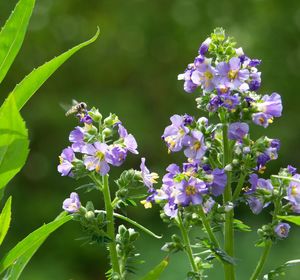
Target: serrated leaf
x=14 y=142
x=293 y=219
x=280 y=271
x=27 y=247
x=31 y=83
x=155 y=273
x=12 y=34
x=5 y=218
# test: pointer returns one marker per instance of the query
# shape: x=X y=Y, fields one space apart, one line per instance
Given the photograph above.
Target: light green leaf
x=24 y=250
x=13 y=142
x=31 y=83
x=5 y=218
x=156 y=271
x=292 y=219
x=280 y=271
x=12 y=34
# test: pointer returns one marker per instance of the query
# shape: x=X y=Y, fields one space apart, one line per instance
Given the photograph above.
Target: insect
x=77 y=108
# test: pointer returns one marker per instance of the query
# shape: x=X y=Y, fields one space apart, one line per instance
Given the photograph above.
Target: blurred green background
x=132 y=70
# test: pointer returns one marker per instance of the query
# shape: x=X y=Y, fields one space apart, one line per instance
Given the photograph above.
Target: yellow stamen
x=147 y=204
x=190 y=190
x=232 y=74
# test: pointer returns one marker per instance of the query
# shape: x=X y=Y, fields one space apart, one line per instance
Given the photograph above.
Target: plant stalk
x=262 y=260
x=208 y=229
x=239 y=187
x=229 y=269
x=110 y=226
x=187 y=244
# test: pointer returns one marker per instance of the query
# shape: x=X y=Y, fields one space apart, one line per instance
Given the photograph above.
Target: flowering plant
x=223 y=169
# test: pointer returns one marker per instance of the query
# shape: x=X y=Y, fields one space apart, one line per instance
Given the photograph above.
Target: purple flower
x=230 y=101
x=95 y=158
x=196 y=146
x=214 y=104
x=262 y=119
x=129 y=140
x=208 y=205
x=293 y=191
x=171 y=209
x=173 y=170
x=175 y=133
x=85 y=118
x=271 y=105
x=204 y=76
x=204 y=46
x=116 y=155
x=187 y=119
x=148 y=178
x=255 y=81
x=191 y=192
x=238 y=130
x=232 y=73
x=256 y=204
x=255 y=200
x=219 y=181
x=77 y=138
x=188 y=86
x=292 y=170
x=191 y=168
x=66 y=158
x=72 y=204
x=282 y=230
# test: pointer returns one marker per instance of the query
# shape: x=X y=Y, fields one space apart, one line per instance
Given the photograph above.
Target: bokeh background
x=132 y=70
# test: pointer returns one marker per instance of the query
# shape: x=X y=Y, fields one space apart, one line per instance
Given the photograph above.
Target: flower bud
x=89 y=215
x=107 y=132
x=228 y=206
x=95 y=115
x=228 y=167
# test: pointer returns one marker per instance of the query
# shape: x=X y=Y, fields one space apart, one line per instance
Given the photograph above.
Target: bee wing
x=74 y=102
x=65 y=107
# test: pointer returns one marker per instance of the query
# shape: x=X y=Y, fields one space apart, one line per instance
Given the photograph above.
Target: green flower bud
x=89 y=215
x=95 y=115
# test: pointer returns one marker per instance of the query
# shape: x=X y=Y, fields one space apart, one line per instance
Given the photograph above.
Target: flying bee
x=77 y=108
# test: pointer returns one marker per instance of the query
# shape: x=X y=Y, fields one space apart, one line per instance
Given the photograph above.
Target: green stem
x=229 y=269
x=110 y=226
x=136 y=224
x=239 y=187
x=286 y=178
x=187 y=243
x=208 y=229
x=262 y=260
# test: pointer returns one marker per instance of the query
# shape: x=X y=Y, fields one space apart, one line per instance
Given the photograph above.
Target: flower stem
x=187 y=243
x=208 y=229
x=110 y=226
x=262 y=260
x=227 y=197
x=239 y=187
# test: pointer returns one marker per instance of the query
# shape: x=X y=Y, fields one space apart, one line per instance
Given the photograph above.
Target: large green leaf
x=24 y=250
x=5 y=218
x=31 y=83
x=12 y=34
x=155 y=273
x=13 y=142
x=292 y=219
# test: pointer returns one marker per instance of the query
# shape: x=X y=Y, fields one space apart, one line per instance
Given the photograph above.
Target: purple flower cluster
x=231 y=83
x=90 y=147
x=194 y=185
x=182 y=134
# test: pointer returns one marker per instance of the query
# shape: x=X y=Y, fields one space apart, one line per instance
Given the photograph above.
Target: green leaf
x=280 y=271
x=12 y=34
x=24 y=250
x=239 y=225
x=156 y=271
x=13 y=142
x=292 y=219
x=5 y=218
x=31 y=83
